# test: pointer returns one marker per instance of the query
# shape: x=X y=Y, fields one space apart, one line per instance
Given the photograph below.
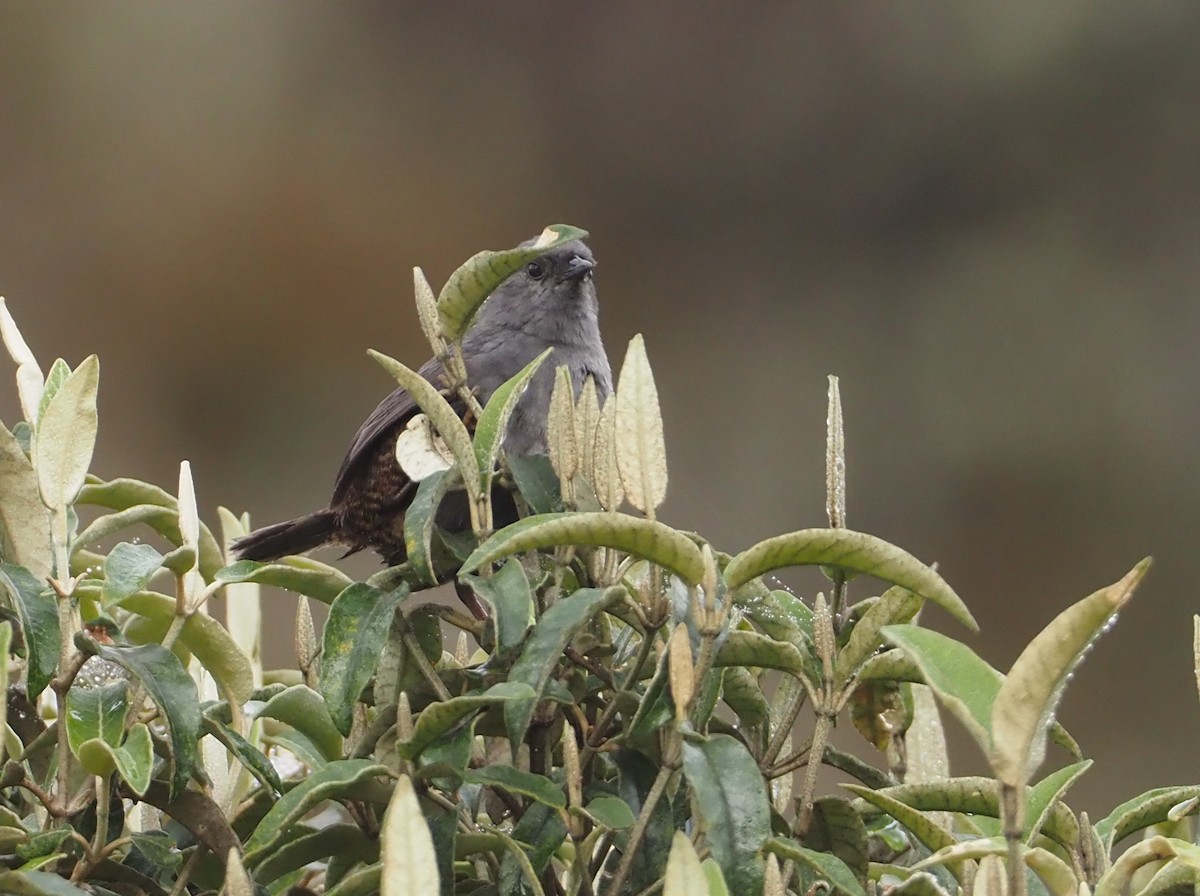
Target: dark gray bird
x=550 y=303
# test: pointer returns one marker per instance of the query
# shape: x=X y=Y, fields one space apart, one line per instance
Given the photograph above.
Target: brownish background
x=984 y=217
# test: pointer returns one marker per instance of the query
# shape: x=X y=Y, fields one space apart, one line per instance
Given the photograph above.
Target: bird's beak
x=579 y=267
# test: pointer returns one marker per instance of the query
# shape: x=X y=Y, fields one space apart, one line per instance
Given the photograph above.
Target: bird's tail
x=290 y=537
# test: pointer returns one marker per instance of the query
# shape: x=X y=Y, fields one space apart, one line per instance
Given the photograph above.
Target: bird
x=548 y=303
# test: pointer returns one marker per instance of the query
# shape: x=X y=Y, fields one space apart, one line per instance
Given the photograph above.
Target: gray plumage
x=549 y=303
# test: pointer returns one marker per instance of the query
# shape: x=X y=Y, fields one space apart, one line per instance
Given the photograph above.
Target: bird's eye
x=535 y=270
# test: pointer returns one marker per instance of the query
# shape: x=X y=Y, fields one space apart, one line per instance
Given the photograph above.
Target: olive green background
x=984 y=217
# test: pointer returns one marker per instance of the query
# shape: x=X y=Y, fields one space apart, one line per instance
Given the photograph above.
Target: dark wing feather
x=398 y=407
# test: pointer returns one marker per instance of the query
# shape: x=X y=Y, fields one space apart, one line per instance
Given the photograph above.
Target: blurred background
x=985 y=218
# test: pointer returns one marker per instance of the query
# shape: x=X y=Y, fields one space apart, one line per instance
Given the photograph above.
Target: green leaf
x=24 y=520
x=744 y=648
x=131 y=495
x=127 y=570
x=1029 y=695
x=535 y=480
x=644 y=538
x=172 y=690
x=896 y=606
x=346 y=841
x=66 y=435
x=359 y=619
x=511 y=599
x=246 y=753
x=97 y=712
x=611 y=812
x=1141 y=812
x=134 y=759
x=537 y=836
x=439 y=719
x=930 y=834
x=303 y=575
x=303 y=709
x=202 y=636
x=965 y=684
x=446 y=421
x=684 y=877
x=34 y=604
x=479 y=276
x=544 y=648
x=837 y=829
x=420 y=519
x=536 y=787
x=327 y=782
x=851 y=552
x=493 y=422
x=734 y=811
x=826 y=866
x=1041 y=797
x=410 y=865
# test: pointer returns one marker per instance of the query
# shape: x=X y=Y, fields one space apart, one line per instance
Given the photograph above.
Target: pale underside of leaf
x=641 y=449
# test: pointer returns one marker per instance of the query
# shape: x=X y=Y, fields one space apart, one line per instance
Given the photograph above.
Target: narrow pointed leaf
x=479 y=276
x=24 y=520
x=251 y=758
x=607 y=482
x=851 y=552
x=34 y=604
x=734 y=811
x=300 y=574
x=1029 y=696
x=328 y=782
x=355 y=632
x=493 y=422
x=444 y=418
x=410 y=866
x=641 y=449
x=30 y=382
x=1042 y=797
x=172 y=690
x=421 y=518
x=648 y=539
x=545 y=647
x=66 y=435
x=427 y=311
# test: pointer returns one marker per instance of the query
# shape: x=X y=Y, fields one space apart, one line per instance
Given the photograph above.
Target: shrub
x=626 y=710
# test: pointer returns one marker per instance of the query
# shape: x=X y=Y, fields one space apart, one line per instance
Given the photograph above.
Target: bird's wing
x=398 y=407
